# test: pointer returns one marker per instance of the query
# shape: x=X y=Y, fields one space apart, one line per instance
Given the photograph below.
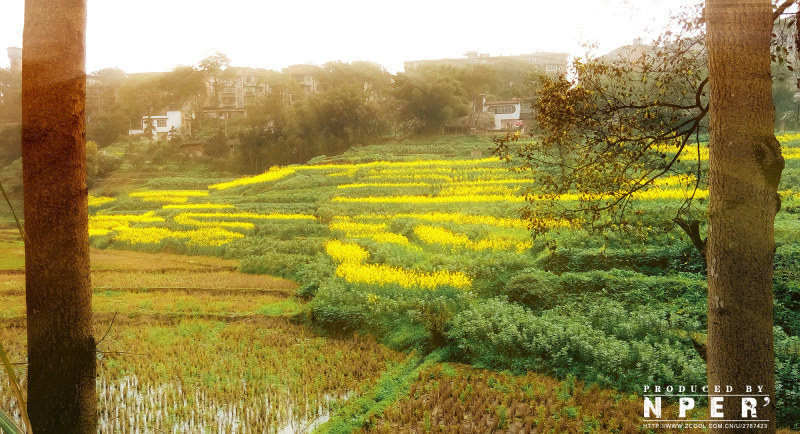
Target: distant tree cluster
x=348 y=104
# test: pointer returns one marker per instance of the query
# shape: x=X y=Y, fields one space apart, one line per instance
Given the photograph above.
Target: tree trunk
x=61 y=347
x=745 y=166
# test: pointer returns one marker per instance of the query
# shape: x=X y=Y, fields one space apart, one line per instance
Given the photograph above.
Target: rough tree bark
x=745 y=166
x=61 y=347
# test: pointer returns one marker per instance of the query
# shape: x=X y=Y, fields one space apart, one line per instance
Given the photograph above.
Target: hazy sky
x=157 y=35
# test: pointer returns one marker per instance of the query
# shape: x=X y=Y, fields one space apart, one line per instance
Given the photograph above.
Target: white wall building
x=507 y=114
x=162 y=125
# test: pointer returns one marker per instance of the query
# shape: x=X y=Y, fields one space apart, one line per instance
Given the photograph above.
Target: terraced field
x=191 y=345
x=418 y=246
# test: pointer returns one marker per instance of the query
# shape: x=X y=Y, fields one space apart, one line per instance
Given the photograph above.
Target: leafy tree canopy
x=610 y=130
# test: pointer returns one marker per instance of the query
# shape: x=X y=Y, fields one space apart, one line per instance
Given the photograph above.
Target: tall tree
x=61 y=347
x=429 y=97
x=745 y=166
x=184 y=85
x=10 y=85
x=213 y=68
x=143 y=96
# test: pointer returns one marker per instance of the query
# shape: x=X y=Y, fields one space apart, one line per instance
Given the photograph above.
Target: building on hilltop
x=15 y=58
x=241 y=88
x=162 y=126
x=543 y=62
x=628 y=53
x=307 y=76
x=511 y=115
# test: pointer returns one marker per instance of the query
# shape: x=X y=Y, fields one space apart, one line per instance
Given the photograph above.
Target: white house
x=507 y=114
x=161 y=125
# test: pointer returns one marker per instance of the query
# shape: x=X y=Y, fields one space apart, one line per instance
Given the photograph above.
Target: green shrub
x=786 y=285
x=278 y=264
x=537 y=290
x=338 y=309
x=603 y=343
x=787 y=379
x=651 y=261
x=312 y=274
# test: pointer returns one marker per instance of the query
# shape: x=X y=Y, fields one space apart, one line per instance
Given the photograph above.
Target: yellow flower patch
x=197 y=237
x=204 y=205
x=464 y=219
x=273 y=174
x=99 y=200
x=345 y=252
x=161 y=193
x=438 y=235
x=385 y=184
x=429 y=199
x=113 y=221
x=166 y=199
x=223 y=219
x=385 y=274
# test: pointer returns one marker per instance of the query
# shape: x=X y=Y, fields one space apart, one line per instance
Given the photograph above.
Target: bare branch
x=781 y=9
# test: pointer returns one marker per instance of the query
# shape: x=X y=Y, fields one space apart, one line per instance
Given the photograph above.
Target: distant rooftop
x=474 y=58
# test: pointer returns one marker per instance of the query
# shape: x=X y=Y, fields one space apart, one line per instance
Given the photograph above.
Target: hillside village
x=164 y=104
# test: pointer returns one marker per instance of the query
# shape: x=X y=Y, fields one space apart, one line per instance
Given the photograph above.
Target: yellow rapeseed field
x=95 y=201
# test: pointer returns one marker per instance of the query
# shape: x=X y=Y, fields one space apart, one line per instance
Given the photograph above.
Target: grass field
x=419 y=246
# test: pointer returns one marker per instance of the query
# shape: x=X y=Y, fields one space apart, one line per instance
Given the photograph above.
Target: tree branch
x=692 y=229
x=781 y=9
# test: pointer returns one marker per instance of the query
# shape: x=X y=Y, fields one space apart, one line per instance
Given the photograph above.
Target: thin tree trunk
x=745 y=166
x=61 y=347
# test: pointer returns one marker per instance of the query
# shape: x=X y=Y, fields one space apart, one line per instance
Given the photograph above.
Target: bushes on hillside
x=787 y=379
x=786 y=285
x=402 y=318
x=603 y=343
x=275 y=263
x=540 y=290
x=653 y=261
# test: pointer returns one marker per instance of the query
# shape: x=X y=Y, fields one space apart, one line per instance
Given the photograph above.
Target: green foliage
x=92 y=163
x=601 y=309
x=536 y=290
x=312 y=274
x=105 y=127
x=338 y=309
x=429 y=97
x=7 y=425
x=402 y=318
x=787 y=379
x=603 y=131
x=275 y=263
x=602 y=343
x=539 y=290
x=648 y=260
x=10 y=144
x=786 y=287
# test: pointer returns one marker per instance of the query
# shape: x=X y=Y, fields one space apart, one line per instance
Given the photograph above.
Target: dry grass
x=139 y=261
x=461 y=399
x=12 y=257
x=216 y=280
x=179 y=302
x=210 y=376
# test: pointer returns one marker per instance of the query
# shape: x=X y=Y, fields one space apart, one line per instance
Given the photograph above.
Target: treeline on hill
x=319 y=111
x=301 y=114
